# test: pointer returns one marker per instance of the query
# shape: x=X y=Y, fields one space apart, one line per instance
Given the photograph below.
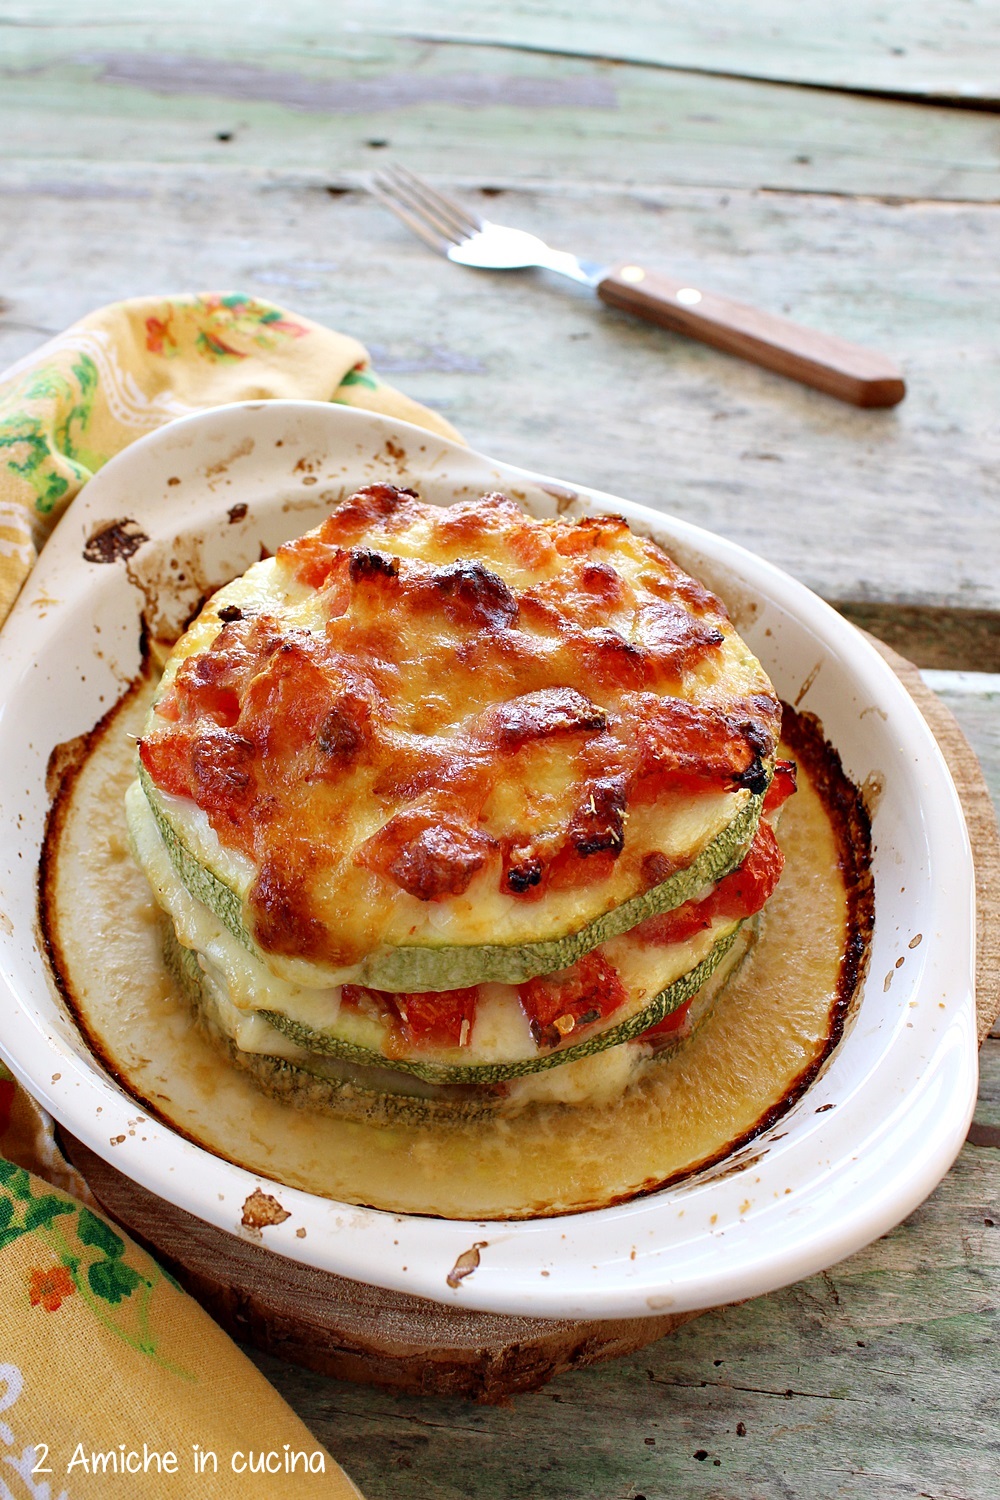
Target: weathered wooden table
x=841 y=164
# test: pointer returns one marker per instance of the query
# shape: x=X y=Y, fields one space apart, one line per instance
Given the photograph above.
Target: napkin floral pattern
x=131 y=367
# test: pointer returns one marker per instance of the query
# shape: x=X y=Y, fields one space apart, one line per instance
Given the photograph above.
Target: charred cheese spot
x=426 y=854
x=387 y=507
x=551 y=711
x=222 y=769
x=340 y=734
x=283 y=922
x=598 y=825
x=367 y=563
x=474 y=597
x=674 y=638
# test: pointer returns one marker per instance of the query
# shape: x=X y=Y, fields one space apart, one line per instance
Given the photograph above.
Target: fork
x=831 y=364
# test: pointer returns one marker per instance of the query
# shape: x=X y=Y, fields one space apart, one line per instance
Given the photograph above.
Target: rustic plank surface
x=949 y=51
x=887 y=506
x=218 y=95
x=940 y=639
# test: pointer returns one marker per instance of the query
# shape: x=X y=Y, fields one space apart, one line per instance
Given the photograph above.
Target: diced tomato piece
x=783 y=784
x=428 y=854
x=673 y=739
x=676 y=926
x=745 y=891
x=559 y=1006
x=442 y=1018
x=740 y=894
x=312 y=558
x=206 y=686
x=167 y=758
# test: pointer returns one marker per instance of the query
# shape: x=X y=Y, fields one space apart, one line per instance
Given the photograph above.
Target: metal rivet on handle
x=688 y=296
x=632 y=273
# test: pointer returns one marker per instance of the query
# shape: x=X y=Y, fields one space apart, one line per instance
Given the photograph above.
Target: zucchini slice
x=668 y=1000
x=378 y=1096
x=449 y=967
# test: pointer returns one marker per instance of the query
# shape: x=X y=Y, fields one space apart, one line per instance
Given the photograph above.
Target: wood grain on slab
x=965 y=640
x=216 y=95
x=895 y=505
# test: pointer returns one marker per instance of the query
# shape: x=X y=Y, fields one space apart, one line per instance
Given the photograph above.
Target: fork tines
x=439 y=220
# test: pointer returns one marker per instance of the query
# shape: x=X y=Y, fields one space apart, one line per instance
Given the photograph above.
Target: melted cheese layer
x=500 y=1034
x=390 y=733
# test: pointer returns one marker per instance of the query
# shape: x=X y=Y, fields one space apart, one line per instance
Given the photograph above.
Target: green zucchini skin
x=422 y=968
x=307 y=1086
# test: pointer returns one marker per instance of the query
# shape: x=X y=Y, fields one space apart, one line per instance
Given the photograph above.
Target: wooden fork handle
x=845 y=370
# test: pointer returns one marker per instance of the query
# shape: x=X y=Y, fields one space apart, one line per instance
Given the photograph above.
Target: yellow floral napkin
x=112 y=1379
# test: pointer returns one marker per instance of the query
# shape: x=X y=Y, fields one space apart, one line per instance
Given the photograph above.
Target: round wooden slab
x=363 y=1333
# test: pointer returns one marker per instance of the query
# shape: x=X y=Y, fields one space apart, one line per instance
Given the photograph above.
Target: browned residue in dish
x=65 y=764
x=398 y=455
x=564 y=498
x=260 y=1210
x=871 y=791
x=115 y=542
x=242 y=449
x=237 y=513
x=466 y=1263
x=807 y=684
x=68 y=756
x=851 y=824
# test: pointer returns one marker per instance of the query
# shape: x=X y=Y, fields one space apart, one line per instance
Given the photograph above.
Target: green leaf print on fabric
x=51 y=458
x=24 y=436
x=43 y=1210
x=93 y=1231
x=359 y=376
x=113 y=1279
x=101 y=1283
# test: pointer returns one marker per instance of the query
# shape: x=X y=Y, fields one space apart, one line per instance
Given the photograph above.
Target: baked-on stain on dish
x=126 y=1033
x=260 y=1210
x=466 y=1263
x=114 y=542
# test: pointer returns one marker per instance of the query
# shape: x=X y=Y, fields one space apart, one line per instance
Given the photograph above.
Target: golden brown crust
x=448 y=695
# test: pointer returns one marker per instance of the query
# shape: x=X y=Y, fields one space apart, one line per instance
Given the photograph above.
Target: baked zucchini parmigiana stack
x=454 y=810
